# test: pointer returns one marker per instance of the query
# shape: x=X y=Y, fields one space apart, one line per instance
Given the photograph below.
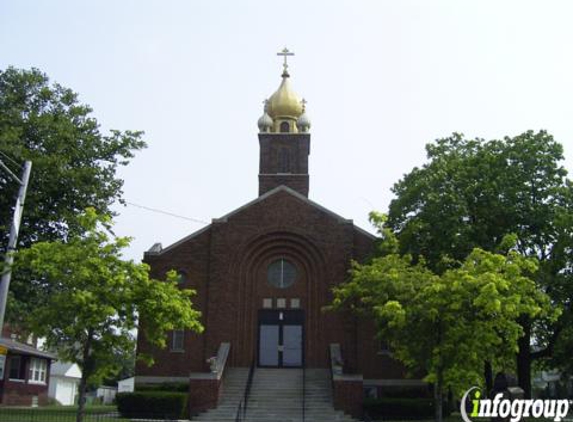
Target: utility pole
x=14 y=229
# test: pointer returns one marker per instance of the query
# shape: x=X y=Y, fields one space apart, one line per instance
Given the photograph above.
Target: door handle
x=281 y=348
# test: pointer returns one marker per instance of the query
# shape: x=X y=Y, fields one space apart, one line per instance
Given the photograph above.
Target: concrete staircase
x=233 y=389
x=276 y=395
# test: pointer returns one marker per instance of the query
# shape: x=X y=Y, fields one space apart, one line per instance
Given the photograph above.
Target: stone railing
x=347 y=389
x=205 y=387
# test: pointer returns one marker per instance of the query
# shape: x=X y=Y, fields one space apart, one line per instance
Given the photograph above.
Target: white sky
x=382 y=78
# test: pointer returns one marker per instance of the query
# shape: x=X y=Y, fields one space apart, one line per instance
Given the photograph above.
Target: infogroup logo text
x=516 y=409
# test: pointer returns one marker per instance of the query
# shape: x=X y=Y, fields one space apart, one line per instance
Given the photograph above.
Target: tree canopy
x=95 y=299
x=445 y=325
x=474 y=192
x=74 y=163
x=471 y=194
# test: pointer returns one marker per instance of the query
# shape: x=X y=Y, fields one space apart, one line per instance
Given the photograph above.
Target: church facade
x=264 y=273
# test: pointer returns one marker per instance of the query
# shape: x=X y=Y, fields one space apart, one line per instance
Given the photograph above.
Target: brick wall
x=203 y=394
x=297 y=182
x=22 y=392
x=348 y=396
x=227 y=262
x=294 y=149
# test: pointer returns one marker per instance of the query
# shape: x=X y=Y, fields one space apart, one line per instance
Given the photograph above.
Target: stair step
x=276 y=396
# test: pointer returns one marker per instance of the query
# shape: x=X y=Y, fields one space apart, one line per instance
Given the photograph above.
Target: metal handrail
x=303 y=392
x=242 y=407
x=248 y=386
x=239 y=414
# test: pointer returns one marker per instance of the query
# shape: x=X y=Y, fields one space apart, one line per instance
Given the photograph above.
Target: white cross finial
x=285 y=53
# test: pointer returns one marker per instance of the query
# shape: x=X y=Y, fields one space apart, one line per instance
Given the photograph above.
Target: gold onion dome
x=284 y=102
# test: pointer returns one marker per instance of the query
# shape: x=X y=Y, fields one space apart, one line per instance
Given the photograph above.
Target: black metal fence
x=13 y=414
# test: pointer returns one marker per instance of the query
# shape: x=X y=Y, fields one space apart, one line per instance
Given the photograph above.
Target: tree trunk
x=450 y=401
x=439 y=386
x=81 y=398
x=438 y=401
x=524 y=358
x=488 y=375
x=85 y=367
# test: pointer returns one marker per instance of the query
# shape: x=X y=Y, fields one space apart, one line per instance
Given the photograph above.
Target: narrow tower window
x=285 y=127
x=284 y=161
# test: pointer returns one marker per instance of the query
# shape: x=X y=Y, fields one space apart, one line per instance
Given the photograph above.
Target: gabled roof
x=65 y=369
x=154 y=250
x=24 y=349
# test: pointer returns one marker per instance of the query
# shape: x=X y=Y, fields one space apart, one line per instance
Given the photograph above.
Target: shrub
x=401 y=408
x=406 y=393
x=153 y=404
x=53 y=402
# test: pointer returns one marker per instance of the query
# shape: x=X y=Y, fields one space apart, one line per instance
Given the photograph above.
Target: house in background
x=24 y=376
x=106 y=394
x=552 y=384
x=126 y=385
x=64 y=382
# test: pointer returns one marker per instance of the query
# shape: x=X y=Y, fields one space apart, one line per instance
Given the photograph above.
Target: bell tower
x=284 y=138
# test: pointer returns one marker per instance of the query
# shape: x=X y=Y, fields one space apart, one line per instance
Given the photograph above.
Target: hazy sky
x=381 y=78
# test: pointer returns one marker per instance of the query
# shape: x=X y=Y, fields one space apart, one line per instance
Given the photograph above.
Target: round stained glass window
x=281 y=273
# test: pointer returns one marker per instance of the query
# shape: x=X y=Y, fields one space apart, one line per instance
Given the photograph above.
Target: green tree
x=445 y=325
x=125 y=360
x=472 y=193
x=95 y=299
x=74 y=163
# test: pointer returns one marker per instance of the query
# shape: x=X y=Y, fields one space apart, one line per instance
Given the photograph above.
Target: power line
x=195 y=220
x=166 y=213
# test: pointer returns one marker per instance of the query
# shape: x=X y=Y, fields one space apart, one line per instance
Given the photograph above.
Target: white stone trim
x=204 y=376
x=348 y=377
x=179 y=242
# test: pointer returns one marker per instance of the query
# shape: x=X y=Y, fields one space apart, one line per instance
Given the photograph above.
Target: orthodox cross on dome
x=285 y=53
x=303 y=102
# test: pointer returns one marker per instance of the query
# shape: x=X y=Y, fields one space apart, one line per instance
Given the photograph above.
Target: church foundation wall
x=348 y=396
x=203 y=395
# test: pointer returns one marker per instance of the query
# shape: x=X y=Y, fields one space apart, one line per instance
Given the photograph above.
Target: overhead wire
x=144 y=207
x=156 y=210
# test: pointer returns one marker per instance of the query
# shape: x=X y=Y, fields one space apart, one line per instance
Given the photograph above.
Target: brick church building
x=263 y=274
